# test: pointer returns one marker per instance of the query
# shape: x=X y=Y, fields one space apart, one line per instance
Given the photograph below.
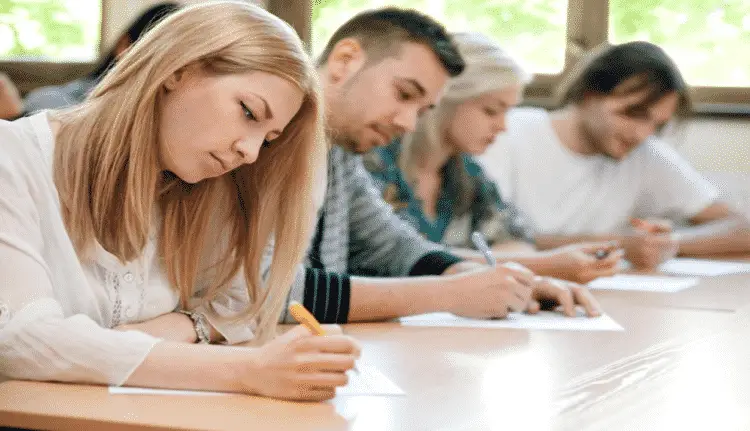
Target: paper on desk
x=703 y=267
x=364 y=381
x=122 y=390
x=544 y=320
x=368 y=381
x=643 y=283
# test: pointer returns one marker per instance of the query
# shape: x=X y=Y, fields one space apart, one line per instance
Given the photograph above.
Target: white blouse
x=56 y=313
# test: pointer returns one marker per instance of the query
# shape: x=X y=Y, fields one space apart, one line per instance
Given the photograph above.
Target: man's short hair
x=381 y=32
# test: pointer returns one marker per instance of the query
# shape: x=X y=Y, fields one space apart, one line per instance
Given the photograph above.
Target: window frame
x=30 y=74
x=587 y=26
x=580 y=38
x=27 y=75
x=706 y=100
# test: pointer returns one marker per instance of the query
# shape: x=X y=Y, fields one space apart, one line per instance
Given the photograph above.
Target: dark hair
x=650 y=68
x=137 y=28
x=382 y=31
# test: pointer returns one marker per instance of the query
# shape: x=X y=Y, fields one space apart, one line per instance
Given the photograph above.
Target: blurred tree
x=707 y=39
x=51 y=29
x=534 y=29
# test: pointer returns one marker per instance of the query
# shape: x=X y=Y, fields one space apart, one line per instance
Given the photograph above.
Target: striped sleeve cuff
x=327 y=295
x=434 y=263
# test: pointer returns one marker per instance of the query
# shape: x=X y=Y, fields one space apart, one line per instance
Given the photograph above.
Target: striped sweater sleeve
x=325 y=294
x=328 y=294
x=381 y=244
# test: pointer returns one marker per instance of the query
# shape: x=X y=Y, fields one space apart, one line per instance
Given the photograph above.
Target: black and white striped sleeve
x=326 y=294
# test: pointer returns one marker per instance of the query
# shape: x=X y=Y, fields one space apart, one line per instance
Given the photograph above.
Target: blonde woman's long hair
x=111 y=189
x=488 y=68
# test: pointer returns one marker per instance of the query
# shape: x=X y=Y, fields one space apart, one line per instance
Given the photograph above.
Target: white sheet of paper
x=703 y=267
x=368 y=381
x=122 y=390
x=544 y=320
x=644 y=283
x=364 y=381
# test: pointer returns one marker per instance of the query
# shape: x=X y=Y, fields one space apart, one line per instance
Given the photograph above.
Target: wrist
x=461 y=267
x=436 y=295
x=451 y=294
x=201 y=332
x=247 y=370
x=234 y=369
x=538 y=263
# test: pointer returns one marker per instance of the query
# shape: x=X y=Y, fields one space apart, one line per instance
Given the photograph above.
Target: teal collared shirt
x=497 y=220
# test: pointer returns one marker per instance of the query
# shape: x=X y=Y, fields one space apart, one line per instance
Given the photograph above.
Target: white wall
x=720 y=149
x=717 y=145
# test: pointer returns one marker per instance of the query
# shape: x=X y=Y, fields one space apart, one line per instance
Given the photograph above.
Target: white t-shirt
x=55 y=313
x=564 y=193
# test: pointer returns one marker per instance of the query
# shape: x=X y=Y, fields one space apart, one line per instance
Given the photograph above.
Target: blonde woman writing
x=431 y=179
x=145 y=214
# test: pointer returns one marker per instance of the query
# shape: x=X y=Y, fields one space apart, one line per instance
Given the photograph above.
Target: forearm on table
x=377 y=299
x=177 y=365
x=538 y=262
x=727 y=236
x=331 y=296
x=547 y=242
x=176 y=327
x=529 y=256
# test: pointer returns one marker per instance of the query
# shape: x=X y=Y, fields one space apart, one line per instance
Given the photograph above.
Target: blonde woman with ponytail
x=167 y=214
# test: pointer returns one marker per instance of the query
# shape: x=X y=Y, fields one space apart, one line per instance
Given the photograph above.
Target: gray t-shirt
x=58 y=96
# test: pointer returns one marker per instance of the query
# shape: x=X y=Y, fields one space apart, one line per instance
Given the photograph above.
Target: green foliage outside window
x=55 y=30
x=708 y=39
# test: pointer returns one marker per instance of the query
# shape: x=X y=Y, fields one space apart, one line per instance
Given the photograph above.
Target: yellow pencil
x=304 y=317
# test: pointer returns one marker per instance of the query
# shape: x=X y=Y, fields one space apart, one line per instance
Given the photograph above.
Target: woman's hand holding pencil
x=304 y=363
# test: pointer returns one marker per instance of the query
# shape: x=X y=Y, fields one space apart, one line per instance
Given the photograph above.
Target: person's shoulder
x=345 y=166
x=52 y=97
x=18 y=139
x=336 y=157
x=523 y=123
x=20 y=155
x=655 y=149
x=472 y=166
x=528 y=115
x=382 y=160
x=58 y=96
x=481 y=181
